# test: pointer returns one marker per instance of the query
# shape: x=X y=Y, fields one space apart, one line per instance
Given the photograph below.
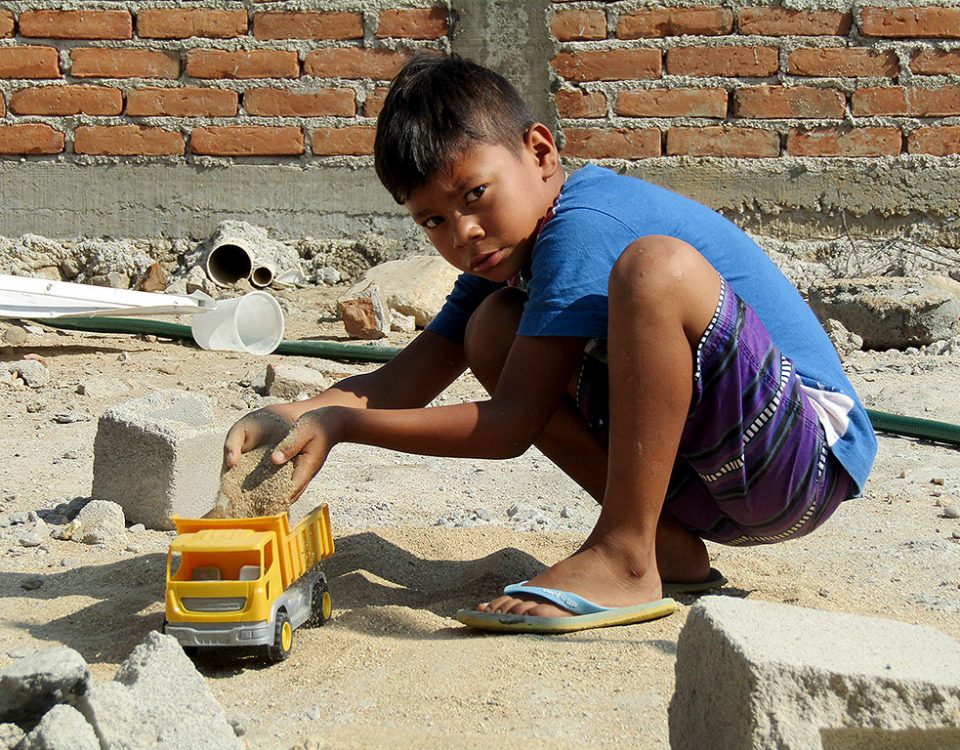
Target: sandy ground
x=419 y=537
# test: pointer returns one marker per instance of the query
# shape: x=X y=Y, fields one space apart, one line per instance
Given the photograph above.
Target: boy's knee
x=652 y=268
x=490 y=333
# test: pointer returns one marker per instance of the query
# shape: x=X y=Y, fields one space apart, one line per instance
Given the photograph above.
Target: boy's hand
x=308 y=443
x=267 y=426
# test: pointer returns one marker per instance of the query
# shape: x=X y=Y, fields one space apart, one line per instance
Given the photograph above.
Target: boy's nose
x=466 y=229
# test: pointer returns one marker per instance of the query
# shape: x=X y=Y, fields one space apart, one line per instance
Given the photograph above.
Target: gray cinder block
x=159 y=456
x=158 y=701
x=754 y=674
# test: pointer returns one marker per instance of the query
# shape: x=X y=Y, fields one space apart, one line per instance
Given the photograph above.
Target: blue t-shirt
x=597 y=215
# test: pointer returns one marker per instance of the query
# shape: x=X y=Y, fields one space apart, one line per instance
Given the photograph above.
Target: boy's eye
x=476 y=193
x=433 y=222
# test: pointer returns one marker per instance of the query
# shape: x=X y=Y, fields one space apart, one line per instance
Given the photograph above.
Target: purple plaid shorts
x=753 y=465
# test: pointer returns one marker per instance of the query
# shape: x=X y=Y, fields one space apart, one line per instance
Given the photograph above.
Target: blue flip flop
x=586 y=614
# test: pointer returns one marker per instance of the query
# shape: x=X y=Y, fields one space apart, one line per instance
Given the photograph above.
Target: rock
x=416 y=286
x=10 y=736
x=843 y=341
x=289 y=381
x=153 y=280
x=402 y=323
x=68 y=531
x=158 y=701
x=112 y=279
x=137 y=528
x=32 y=583
x=30 y=371
x=364 y=312
x=952 y=511
x=30 y=686
x=327 y=276
x=197 y=281
x=15 y=336
x=102 y=522
x=61 y=728
x=70 y=562
x=70 y=417
x=891 y=312
x=31 y=539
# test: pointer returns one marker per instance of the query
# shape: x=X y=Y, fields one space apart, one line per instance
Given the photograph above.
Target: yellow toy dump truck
x=247 y=581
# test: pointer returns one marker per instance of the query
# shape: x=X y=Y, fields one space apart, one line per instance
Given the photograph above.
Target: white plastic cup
x=252 y=323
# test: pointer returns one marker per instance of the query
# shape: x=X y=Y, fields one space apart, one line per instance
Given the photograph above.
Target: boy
x=656 y=355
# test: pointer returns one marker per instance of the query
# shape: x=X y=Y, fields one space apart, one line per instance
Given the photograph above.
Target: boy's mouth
x=486 y=261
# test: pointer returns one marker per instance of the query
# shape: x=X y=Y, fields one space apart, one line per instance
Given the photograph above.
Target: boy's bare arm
x=412 y=379
x=533 y=381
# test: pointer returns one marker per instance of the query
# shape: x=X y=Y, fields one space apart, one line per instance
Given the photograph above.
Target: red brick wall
x=252 y=79
x=756 y=81
x=257 y=79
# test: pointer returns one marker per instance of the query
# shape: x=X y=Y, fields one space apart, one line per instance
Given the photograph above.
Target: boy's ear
x=538 y=142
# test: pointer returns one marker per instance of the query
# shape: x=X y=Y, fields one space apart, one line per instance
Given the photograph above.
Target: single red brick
x=619 y=143
x=239 y=64
x=579 y=25
x=67 y=100
x=176 y=23
x=939 y=102
x=285 y=103
x=352 y=62
x=6 y=22
x=842 y=61
x=3 y=105
x=126 y=140
x=100 y=62
x=413 y=23
x=29 y=62
x=753 y=62
x=779 y=21
x=182 y=102
x=718 y=140
x=33 y=138
x=608 y=64
x=771 y=102
x=938 y=141
x=374 y=101
x=307 y=25
x=844 y=142
x=672 y=103
x=934 y=62
x=890 y=100
x=581 y=103
x=660 y=22
x=912 y=22
x=247 y=141
x=76 y=24
x=356 y=140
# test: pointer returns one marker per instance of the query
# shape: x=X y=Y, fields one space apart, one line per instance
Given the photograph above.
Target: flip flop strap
x=569 y=601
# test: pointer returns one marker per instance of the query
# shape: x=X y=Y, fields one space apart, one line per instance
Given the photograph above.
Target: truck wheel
x=321 y=606
x=282 y=638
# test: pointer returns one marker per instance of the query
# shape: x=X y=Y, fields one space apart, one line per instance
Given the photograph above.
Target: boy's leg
x=662 y=297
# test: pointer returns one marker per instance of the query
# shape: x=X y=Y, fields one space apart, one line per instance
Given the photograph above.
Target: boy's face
x=483 y=213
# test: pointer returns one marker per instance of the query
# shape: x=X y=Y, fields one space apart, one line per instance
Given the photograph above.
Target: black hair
x=437 y=106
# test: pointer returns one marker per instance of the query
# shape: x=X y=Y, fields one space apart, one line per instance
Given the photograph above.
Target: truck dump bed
x=299 y=550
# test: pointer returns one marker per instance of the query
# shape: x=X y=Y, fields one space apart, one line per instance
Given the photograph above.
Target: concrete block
x=31 y=685
x=158 y=701
x=754 y=674
x=891 y=312
x=159 y=456
x=61 y=728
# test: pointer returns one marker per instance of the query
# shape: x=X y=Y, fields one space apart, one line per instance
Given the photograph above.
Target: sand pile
x=254 y=487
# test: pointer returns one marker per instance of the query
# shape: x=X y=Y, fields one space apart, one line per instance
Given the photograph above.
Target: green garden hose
x=896 y=424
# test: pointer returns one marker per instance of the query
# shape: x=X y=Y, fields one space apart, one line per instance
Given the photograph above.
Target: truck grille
x=214 y=603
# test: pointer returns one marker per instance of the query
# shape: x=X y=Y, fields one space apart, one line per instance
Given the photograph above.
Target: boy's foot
x=606 y=573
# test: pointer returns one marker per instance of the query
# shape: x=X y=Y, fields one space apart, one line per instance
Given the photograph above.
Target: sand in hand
x=254 y=487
